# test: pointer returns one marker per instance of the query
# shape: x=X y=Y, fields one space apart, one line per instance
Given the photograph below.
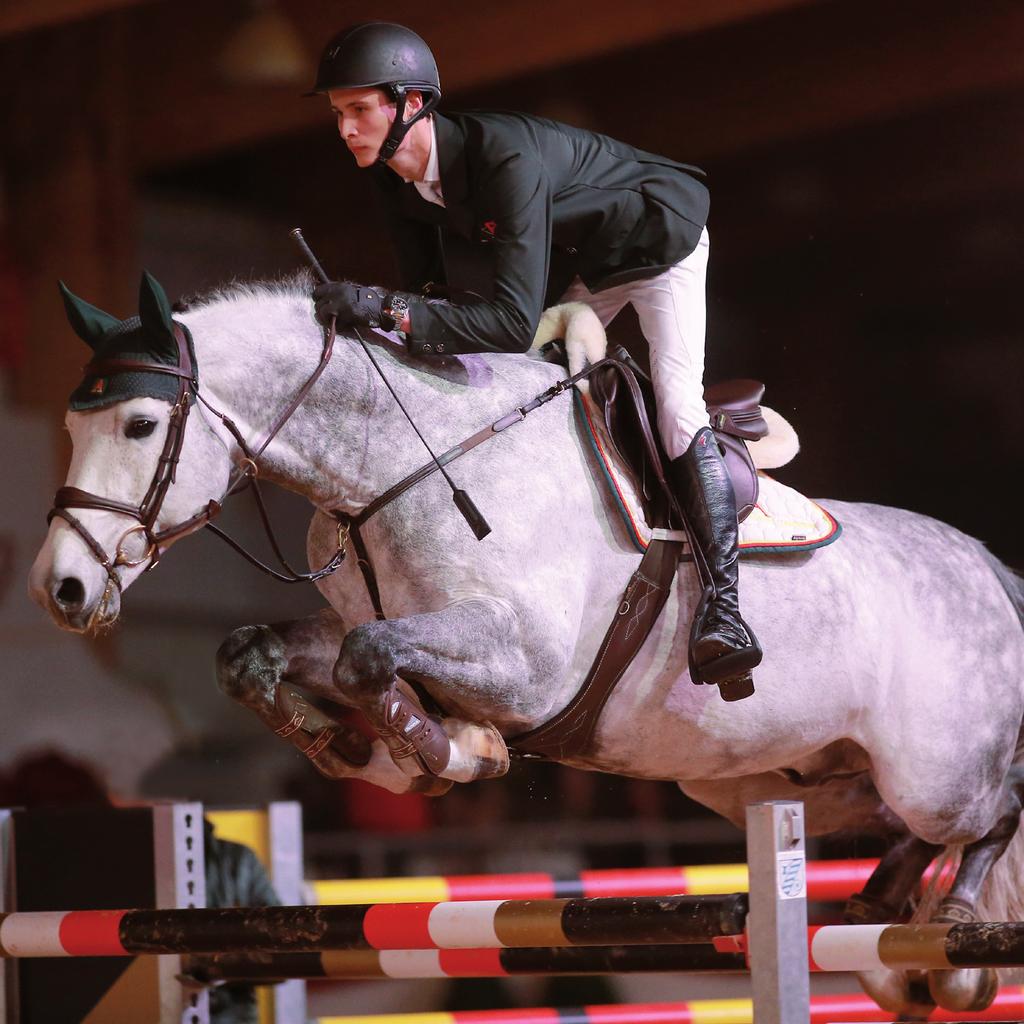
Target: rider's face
x=364 y=118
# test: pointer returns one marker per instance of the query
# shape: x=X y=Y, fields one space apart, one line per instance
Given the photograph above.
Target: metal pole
x=179 y=867
x=777 y=923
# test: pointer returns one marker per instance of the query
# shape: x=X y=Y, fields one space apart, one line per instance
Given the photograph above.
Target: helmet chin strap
x=400 y=126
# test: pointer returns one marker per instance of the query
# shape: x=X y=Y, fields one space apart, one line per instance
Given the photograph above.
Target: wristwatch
x=393 y=311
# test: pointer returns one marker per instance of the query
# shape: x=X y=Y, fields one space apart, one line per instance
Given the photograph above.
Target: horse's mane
x=297 y=284
x=277 y=295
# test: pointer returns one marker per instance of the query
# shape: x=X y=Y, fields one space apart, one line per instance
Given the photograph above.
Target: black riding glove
x=352 y=305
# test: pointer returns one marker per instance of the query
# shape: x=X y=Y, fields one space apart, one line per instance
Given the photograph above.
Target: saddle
x=734 y=409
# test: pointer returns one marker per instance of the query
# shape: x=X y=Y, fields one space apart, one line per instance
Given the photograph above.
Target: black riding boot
x=724 y=650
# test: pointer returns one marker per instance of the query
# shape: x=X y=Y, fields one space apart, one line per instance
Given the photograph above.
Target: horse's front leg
x=469 y=656
x=271 y=669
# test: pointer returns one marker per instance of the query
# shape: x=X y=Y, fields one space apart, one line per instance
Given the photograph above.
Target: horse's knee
x=250 y=663
x=368 y=661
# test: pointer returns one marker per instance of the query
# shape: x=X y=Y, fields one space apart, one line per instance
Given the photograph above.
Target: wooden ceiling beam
x=813 y=71
x=493 y=42
x=801 y=72
x=872 y=60
x=191 y=116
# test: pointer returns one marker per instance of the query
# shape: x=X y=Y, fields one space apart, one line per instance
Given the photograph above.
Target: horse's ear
x=155 y=314
x=88 y=322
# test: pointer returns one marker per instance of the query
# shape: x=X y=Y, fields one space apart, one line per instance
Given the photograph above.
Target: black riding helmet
x=386 y=56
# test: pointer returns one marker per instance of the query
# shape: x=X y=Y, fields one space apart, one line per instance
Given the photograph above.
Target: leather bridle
x=147 y=511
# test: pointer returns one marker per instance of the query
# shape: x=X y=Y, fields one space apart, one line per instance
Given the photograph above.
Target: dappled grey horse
x=892 y=693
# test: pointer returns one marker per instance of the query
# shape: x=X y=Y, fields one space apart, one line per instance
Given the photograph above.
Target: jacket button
x=571 y=250
x=439 y=349
x=426 y=348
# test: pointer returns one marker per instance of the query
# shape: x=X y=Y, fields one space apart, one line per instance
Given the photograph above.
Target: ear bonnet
x=146 y=338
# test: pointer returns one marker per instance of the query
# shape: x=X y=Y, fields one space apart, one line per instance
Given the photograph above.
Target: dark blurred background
x=866 y=162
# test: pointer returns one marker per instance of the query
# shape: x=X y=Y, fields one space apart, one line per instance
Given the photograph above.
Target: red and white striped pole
x=830 y=880
x=465 y=925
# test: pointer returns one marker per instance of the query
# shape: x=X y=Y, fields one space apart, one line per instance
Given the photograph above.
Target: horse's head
x=143 y=472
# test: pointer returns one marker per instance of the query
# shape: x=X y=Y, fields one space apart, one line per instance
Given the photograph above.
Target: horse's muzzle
x=67 y=600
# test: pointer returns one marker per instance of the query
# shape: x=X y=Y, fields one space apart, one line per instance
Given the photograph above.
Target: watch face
x=395 y=308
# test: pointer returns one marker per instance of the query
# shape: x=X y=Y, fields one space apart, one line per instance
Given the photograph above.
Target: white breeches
x=672 y=312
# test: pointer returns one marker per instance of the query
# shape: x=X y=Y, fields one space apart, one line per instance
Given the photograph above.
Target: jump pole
x=469 y=925
x=830 y=880
x=541 y=961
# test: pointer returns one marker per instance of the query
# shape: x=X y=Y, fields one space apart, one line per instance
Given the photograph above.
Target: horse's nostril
x=70 y=594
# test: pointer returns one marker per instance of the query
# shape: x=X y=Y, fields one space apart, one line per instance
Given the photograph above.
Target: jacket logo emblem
x=488 y=230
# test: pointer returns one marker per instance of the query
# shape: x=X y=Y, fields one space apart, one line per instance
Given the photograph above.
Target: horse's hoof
x=737 y=689
x=965 y=990
x=429 y=785
x=900 y=992
x=477 y=752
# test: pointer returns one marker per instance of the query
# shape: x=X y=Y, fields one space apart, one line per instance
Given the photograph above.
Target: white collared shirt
x=430 y=186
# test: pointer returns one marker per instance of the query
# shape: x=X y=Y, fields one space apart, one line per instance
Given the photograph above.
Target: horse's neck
x=348 y=441
x=251 y=367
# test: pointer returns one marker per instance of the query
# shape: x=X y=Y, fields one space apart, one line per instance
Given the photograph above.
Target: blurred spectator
x=52 y=779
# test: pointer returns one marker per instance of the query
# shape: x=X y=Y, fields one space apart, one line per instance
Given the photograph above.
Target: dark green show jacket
x=529 y=205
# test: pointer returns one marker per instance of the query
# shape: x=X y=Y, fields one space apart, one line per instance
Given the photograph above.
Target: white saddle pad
x=782 y=520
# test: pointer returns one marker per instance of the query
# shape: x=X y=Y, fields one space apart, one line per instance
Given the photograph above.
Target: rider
x=528 y=212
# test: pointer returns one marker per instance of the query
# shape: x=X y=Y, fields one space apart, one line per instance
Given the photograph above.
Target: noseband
x=147 y=511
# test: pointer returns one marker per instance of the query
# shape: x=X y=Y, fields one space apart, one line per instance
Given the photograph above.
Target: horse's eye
x=139 y=427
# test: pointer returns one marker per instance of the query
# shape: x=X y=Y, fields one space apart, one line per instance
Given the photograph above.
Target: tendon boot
x=447 y=748
x=337 y=750
x=723 y=650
